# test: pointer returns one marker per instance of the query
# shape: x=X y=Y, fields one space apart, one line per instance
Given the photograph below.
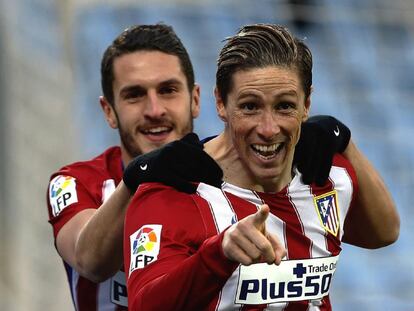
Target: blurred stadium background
x=50 y=54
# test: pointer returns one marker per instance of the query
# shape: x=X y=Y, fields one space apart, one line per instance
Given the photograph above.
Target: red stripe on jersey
x=282 y=207
x=86 y=292
x=244 y=209
x=211 y=229
x=297 y=306
x=206 y=215
x=326 y=306
x=298 y=244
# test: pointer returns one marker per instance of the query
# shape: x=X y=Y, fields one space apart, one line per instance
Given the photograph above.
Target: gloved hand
x=321 y=137
x=175 y=164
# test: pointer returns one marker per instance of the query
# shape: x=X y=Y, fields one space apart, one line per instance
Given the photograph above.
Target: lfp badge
x=327 y=208
x=62 y=193
x=145 y=246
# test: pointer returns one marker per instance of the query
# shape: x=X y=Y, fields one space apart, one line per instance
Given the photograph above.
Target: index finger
x=259 y=218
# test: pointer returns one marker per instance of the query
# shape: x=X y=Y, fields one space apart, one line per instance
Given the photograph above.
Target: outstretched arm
x=173 y=256
x=373 y=222
x=188 y=263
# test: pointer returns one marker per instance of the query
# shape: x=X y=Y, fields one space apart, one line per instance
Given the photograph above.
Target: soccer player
x=149 y=95
x=265 y=240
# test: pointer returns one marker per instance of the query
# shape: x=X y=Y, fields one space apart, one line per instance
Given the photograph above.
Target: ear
x=110 y=114
x=307 y=107
x=195 y=102
x=220 y=107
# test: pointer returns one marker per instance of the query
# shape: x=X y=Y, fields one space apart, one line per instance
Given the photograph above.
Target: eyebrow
x=137 y=87
x=171 y=81
x=284 y=93
x=131 y=88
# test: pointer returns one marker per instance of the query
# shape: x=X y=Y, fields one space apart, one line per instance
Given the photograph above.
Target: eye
x=248 y=106
x=134 y=94
x=285 y=105
x=168 y=90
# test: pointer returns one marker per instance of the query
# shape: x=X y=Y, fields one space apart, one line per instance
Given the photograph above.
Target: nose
x=268 y=126
x=154 y=108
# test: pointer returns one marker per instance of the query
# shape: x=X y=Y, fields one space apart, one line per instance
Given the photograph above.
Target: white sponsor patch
x=145 y=246
x=62 y=193
x=292 y=280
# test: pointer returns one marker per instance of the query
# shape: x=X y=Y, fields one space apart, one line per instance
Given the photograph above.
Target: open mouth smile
x=160 y=130
x=267 y=152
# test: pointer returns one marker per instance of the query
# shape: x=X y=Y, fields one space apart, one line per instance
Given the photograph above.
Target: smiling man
x=147 y=87
x=266 y=240
x=150 y=97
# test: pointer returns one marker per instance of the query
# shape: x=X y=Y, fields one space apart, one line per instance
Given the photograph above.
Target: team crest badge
x=327 y=208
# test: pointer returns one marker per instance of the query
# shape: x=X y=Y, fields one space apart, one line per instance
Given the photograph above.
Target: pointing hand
x=248 y=241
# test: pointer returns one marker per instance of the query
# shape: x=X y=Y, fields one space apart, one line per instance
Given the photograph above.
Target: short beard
x=128 y=140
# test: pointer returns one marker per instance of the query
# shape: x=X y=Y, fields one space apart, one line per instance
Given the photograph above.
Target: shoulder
x=160 y=196
x=340 y=161
x=107 y=163
x=343 y=170
x=342 y=178
x=158 y=203
x=82 y=185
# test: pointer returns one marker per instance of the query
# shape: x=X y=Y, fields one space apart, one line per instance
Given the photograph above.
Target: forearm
x=373 y=222
x=98 y=248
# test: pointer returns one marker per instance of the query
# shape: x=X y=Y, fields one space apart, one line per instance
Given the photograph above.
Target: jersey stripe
x=222 y=213
x=307 y=212
x=298 y=243
x=221 y=210
x=104 y=294
x=295 y=219
x=108 y=187
x=86 y=295
x=346 y=186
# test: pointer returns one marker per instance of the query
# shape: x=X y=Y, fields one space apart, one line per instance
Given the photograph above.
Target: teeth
x=156 y=130
x=266 y=148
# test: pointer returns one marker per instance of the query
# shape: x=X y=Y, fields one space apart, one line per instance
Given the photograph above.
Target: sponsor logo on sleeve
x=62 y=193
x=145 y=246
x=327 y=208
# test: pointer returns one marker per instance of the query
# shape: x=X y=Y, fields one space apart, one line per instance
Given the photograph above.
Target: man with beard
x=150 y=96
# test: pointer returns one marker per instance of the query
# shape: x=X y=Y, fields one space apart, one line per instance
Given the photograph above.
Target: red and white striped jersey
x=74 y=188
x=174 y=259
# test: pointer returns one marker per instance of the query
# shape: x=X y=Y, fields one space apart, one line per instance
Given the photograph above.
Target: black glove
x=321 y=137
x=175 y=164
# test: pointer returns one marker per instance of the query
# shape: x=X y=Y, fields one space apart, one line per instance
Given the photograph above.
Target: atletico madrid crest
x=327 y=208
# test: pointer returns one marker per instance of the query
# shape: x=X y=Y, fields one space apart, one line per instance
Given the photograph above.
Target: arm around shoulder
x=373 y=221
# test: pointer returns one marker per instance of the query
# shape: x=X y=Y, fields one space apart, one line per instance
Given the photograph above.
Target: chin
x=270 y=175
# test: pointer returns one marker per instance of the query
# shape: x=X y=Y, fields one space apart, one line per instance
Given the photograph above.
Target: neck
x=126 y=157
x=222 y=150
